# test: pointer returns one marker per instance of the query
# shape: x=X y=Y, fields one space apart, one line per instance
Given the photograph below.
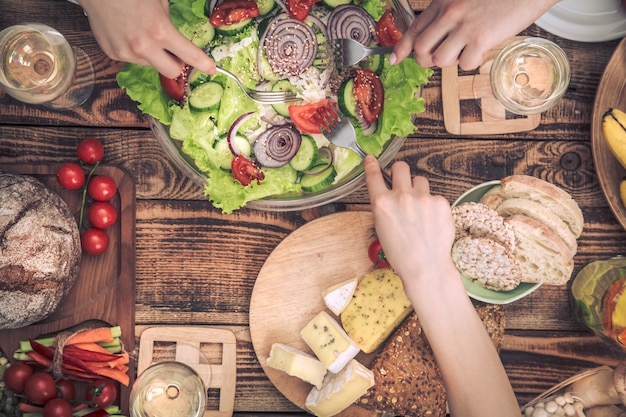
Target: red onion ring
x=276 y=146
x=289 y=44
x=353 y=22
x=232 y=132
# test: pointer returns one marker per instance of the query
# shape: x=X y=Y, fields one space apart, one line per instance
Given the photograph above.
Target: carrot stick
x=115 y=374
x=99 y=334
x=91 y=347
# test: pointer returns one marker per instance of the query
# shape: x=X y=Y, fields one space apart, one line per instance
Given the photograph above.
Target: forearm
x=475 y=380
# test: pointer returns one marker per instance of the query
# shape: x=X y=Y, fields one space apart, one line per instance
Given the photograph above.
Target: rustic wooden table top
x=197 y=266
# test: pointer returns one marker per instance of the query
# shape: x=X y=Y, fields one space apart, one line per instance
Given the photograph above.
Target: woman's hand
x=140 y=31
x=451 y=32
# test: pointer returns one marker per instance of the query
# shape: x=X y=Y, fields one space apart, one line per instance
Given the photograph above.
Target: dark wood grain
x=195 y=265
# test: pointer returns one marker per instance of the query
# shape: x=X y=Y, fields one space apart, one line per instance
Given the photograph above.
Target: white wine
x=37 y=63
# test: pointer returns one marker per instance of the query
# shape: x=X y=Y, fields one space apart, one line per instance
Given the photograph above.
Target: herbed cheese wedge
x=340 y=390
x=297 y=363
x=378 y=306
x=338 y=296
x=329 y=342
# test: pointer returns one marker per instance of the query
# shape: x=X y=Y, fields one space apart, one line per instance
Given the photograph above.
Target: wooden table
x=195 y=265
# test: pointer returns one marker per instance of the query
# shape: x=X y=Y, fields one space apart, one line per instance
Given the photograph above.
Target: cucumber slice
x=283 y=85
x=206 y=96
x=306 y=156
x=346 y=99
x=375 y=63
x=334 y=3
x=223 y=150
x=235 y=28
x=197 y=78
x=313 y=183
x=265 y=6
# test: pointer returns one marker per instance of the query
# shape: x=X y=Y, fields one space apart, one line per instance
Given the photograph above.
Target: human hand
x=140 y=31
x=415 y=228
x=450 y=32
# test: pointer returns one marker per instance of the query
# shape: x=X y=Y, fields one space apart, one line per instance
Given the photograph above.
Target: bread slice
x=538 y=190
x=408 y=379
x=541 y=213
x=479 y=220
x=542 y=254
x=487 y=262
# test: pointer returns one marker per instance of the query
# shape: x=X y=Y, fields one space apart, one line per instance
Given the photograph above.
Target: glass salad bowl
x=291 y=201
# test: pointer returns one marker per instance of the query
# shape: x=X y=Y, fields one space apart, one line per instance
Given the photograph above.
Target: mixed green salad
x=202 y=127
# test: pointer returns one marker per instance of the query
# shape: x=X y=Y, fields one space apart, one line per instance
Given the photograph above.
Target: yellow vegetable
x=622 y=191
x=614 y=131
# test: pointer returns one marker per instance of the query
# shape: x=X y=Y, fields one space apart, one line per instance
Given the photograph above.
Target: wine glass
x=39 y=66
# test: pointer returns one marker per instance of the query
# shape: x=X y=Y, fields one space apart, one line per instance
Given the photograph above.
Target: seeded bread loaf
x=541 y=253
x=39 y=250
x=407 y=378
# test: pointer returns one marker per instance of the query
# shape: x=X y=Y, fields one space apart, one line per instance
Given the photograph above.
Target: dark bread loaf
x=39 y=250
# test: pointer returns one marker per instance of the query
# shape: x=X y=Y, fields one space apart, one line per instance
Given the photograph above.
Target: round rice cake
x=487 y=263
x=478 y=220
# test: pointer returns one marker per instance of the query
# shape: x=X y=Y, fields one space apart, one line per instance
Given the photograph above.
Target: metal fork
x=262 y=97
x=339 y=131
x=349 y=52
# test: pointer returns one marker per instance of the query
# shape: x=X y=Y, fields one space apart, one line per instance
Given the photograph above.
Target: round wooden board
x=611 y=93
x=288 y=291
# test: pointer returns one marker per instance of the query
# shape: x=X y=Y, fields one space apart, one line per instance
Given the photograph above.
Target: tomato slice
x=387 y=33
x=174 y=87
x=299 y=9
x=245 y=170
x=307 y=117
x=369 y=93
x=229 y=12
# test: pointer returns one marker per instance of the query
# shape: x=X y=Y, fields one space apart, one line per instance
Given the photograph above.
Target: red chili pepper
x=46 y=351
x=39 y=359
x=86 y=355
x=98 y=413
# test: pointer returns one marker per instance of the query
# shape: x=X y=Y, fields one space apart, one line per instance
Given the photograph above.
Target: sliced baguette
x=541 y=213
x=478 y=220
x=542 y=254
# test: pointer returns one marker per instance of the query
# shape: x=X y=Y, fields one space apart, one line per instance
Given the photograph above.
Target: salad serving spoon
x=262 y=97
x=339 y=131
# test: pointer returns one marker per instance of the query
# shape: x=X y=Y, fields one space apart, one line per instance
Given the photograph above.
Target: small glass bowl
x=530 y=75
x=168 y=389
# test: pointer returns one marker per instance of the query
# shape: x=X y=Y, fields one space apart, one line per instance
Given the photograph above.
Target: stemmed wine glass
x=39 y=66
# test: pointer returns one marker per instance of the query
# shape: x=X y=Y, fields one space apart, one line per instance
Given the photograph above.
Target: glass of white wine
x=39 y=66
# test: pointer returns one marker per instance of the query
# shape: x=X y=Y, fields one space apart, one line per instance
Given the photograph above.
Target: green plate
x=474 y=290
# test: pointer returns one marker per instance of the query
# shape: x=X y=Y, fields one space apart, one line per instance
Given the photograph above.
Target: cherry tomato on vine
x=90 y=150
x=40 y=388
x=66 y=389
x=58 y=407
x=101 y=188
x=102 y=392
x=71 y=176
x=94 y=241
x=376 y=254
x=15 y=376
x=102 y=214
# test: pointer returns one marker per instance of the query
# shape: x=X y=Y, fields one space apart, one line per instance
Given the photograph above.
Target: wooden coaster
x=217 y=371
x=457 y=88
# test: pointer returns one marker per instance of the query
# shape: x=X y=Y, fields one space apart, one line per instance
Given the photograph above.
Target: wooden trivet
x=456 y=88
x=188 y=342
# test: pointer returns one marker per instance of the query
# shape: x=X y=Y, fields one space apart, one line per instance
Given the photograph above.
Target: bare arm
x=140 y=31
x=450 y=32
x=416 y=231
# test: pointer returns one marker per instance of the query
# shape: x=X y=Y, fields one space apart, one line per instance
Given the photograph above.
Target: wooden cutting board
x=288 y=290
x=105 y=287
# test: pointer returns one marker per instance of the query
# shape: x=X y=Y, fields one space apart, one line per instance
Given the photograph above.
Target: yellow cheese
x=297 y=363
x=340 y=390
x=329 y=342
x=378 y=306
x=338 y=296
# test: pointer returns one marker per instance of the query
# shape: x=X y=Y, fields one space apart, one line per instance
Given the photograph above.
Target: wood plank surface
x=196 y=266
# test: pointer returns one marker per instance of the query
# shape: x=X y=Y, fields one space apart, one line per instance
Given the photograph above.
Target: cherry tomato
x=71 y=176
x=174 y=87
x=58 y=407
x=307 y=117
x=376 y=254
x=102 y=214
x=102 y=392
x=40 y=388
x=101 y=188
x=229 y=12
x=245 y=170
x=90 y=151
x=94 y=241
x=15 y=377
x=387 y=33
x=66 y=389
x=369 y=93
x=299 y=9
